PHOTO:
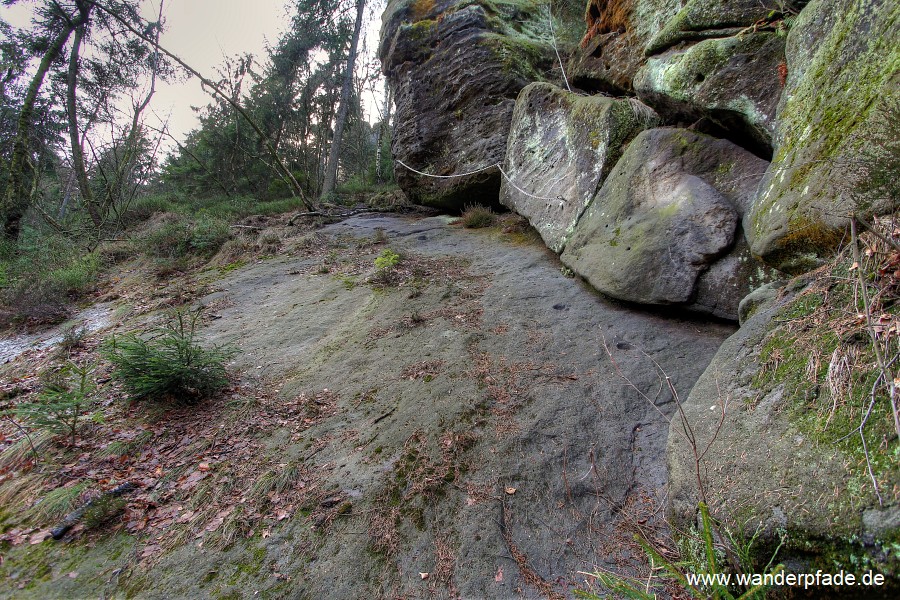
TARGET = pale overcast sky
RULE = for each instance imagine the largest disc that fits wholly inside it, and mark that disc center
(203, 32)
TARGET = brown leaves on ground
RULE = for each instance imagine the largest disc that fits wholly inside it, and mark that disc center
(425, 370)
(199, 470)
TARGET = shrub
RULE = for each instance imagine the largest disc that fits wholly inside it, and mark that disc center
(145, 207)
(208, 235)
(169, 365)
(62, 405)
(175, 237)
(40, 280)
(476, 216)
(170, 238)
(387, 260)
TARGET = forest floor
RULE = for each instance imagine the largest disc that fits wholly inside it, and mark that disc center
(466, 423)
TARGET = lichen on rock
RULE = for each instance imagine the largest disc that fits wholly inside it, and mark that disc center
(732, 81)
(843, 83)
(705, 19)
(560, 149)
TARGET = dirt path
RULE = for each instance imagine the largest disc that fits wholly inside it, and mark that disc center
(469, 432)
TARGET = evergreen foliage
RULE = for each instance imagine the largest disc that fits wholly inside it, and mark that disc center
(64, 403)
(168, 365)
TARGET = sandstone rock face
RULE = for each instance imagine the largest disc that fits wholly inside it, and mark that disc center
(668, 211)
(561, 147)
(766, 464)
(704, 19)
(731, 81)
(613, 48)
(843, 61)
(456, 69)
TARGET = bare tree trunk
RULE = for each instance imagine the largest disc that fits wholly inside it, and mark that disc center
(84, 186)
(341, 119)
(131, 150)
(16, 199)
(383, 129)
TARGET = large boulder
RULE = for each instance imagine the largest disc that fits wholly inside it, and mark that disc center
(668, 211)
(612, 50)
(455, 69)
(561, 147)
(732, 81)
(773, 416)
(833, 125)
(706, 19)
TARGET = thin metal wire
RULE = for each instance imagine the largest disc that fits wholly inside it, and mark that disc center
(447, 176)
(493, 166)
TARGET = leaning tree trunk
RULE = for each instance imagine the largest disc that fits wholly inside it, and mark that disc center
(16, 200)
(343, 109)
(84, 186)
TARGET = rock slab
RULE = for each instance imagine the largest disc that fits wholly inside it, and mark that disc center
(561, 147)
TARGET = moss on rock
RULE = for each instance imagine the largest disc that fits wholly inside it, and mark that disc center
(843, 63)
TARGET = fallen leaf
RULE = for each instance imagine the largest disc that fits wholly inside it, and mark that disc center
(40, 536)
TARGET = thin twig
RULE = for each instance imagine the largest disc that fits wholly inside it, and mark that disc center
(879, 356)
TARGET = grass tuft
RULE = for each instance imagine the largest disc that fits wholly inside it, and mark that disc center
(476, 216)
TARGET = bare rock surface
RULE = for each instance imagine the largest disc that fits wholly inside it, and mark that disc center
(668, 211)
(561, 147)
(456, 69)
(476, 428)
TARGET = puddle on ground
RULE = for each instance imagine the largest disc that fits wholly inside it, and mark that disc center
(93, 319)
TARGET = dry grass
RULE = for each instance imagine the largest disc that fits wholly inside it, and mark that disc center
(476, 216)
(426, 370)
(444, 564)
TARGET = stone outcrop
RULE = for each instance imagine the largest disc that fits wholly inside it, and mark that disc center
(733, 82)
(612, 50)
(843, 83)
(774, 461)
(668, 211)
(706, 19)
(455, 69)
(561, 147)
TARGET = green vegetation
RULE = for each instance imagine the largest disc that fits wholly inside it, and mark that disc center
(63, 404)
(167, 364)
(476, 216)
(385, 266)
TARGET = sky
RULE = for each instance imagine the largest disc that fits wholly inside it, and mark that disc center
(201, 32)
